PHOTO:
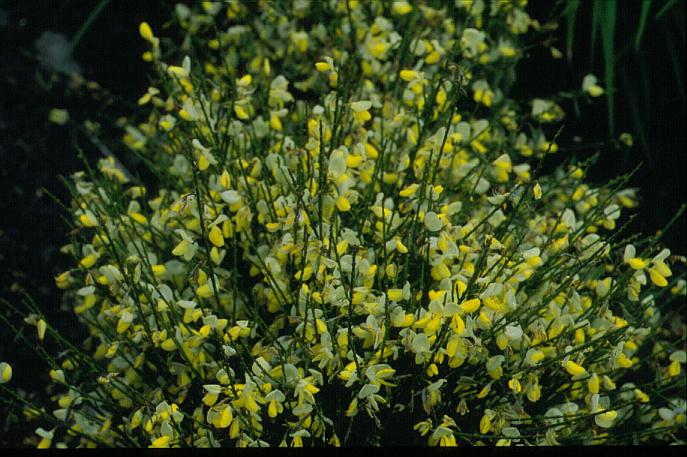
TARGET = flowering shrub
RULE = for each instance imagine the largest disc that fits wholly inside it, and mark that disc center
(349, 241)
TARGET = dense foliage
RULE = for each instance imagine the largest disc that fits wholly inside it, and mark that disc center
(349, 241)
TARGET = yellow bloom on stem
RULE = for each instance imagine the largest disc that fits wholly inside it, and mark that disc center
(146, 32)
(470, 306)
(215, 236)
(573, 368)
(5, 372)
(636, 263)
(41, 326)
(408, 75)
(161, 442)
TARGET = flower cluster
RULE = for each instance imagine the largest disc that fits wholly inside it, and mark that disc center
(348, 239)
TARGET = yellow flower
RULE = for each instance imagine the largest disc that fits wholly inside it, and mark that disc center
(5, 372)
(536, 190)
(161, 442)
(457, 324)
(46, 438)
(89, 260)
(408, 75)
(641, 396)
(494, 368)
(168, 345)
(224, 418)
(146, 32)
(623, 361)
(573, 368)
(484, 391)
(485, 421)
(534, 392)
(41, 326)
(515, 386)
(342, 204)
(606, 418)
(401, 8)
(215, 236)
(590, 86)
(241, 112)
(657, 278)
(395, 294)
(423, 427)
(534, 356)
(58, 116)
(636, 263)
(470, 306)
(674, 368)
(593, 384)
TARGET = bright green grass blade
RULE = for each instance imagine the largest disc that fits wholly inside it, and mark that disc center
(607, 23)
(571, 15)
(643, 15)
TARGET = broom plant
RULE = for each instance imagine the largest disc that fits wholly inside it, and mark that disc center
(352, 239)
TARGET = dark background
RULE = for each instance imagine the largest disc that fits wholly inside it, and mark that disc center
(34, 152)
